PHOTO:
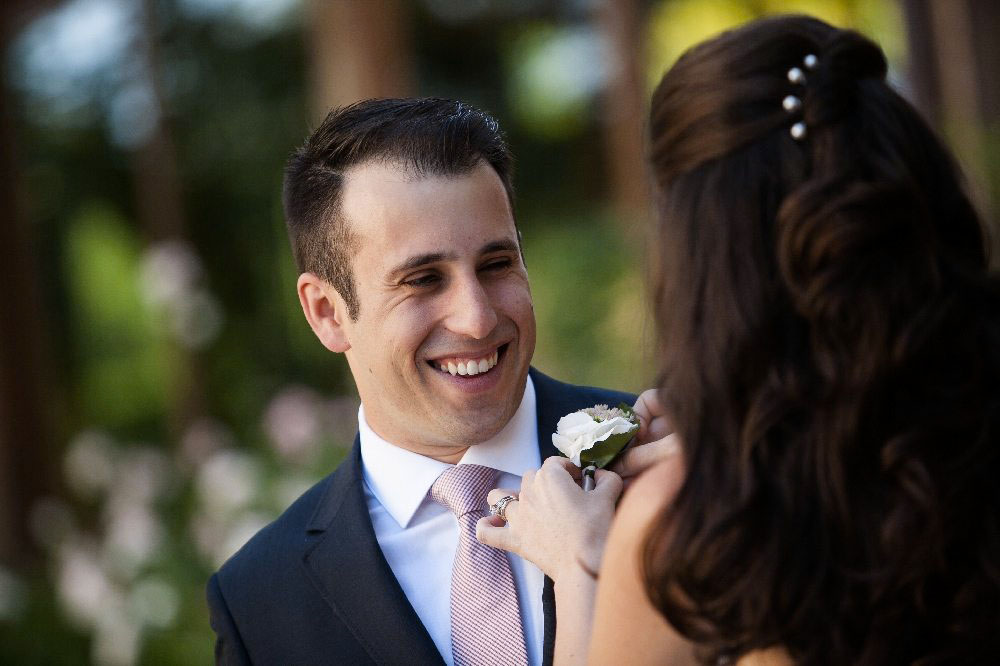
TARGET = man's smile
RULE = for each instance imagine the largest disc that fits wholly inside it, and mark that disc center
(467, 365)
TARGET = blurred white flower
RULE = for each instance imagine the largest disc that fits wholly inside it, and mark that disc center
(133, 537)
(206, 532)
(170, 278)
(13, 595)
(51, 521)
(168, 272)
(143, 474)
(89, 463)
(154, 602)
(204, 437)
(196, 319)
(83, 588)
(117, 637)
(293, 422)
(228, 481)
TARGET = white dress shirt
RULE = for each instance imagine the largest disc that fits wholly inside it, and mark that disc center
(419, 537)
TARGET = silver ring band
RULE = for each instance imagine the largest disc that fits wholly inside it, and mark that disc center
(500, 508)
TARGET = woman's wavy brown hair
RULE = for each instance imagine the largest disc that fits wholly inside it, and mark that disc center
(830, 358)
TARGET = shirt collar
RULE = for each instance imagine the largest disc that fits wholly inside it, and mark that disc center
(400, 479)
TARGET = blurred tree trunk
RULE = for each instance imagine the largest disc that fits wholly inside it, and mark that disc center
(357, 50)
(620, 23)
(158, 191)
(160, 210)
(26, 436)
(955, 76)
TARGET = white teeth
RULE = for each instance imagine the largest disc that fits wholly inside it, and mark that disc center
(471, 367)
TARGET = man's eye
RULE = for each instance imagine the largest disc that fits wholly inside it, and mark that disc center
(497, 265)
(422, 281)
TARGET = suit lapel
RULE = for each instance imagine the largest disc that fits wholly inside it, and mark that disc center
(553, 400)
(347, 566)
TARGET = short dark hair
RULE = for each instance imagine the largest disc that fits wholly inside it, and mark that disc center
(830, 348)
(428, 136)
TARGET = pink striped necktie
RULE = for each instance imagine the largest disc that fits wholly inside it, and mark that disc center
(485, 616)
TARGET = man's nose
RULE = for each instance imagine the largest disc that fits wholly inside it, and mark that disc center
(471, 312)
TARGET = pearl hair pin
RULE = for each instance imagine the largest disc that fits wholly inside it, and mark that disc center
(792, 103)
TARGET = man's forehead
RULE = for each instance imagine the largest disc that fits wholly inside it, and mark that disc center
(400, 211)
(388, 171)
(381, 169)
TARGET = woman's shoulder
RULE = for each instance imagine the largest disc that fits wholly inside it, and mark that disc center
(625, 620)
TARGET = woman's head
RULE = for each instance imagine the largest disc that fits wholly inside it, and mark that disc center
(821, 302)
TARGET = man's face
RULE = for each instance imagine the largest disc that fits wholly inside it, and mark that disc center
(441, 284)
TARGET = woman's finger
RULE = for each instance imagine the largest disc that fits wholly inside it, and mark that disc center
(492, 535)
(559, 462)
(648, 405)
(653, 421)
(608, 482)
(635, 460)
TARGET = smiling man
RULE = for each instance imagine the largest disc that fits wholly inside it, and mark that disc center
(400, 214)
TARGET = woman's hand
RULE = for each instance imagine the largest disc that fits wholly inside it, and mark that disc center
(554, 523)
(654, 442)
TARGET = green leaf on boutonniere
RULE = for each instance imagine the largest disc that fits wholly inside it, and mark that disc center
(601, 454)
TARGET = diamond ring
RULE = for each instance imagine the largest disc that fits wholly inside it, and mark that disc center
(500, 507)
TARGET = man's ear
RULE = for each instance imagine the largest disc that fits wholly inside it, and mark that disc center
(325, 311)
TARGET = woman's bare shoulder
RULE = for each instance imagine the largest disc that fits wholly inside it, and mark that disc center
(625, 621)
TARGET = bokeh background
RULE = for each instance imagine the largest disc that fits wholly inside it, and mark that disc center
(162, 395)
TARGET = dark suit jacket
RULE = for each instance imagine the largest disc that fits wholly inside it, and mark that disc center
(313, 587)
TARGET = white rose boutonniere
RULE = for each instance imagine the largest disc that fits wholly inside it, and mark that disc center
(595, 435)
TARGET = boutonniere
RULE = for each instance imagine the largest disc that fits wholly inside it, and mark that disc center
(595, 435)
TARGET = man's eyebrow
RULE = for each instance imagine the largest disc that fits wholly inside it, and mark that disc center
(418, 260)
(504, 245)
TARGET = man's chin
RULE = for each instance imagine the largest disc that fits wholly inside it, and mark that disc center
(476, 427)
(473, 417)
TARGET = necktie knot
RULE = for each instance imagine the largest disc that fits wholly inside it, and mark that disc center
(463, 488)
